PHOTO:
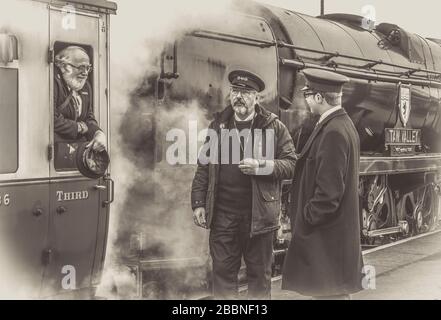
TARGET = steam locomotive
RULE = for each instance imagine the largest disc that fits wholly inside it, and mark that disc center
(393, 99)
(53, 221)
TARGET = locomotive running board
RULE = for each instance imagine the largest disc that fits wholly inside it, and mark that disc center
(372, 165)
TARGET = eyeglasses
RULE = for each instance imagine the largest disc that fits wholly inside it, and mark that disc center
(307, 94)
(83, 68)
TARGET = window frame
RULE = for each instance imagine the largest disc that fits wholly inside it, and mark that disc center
(57, 47)
(14, 66)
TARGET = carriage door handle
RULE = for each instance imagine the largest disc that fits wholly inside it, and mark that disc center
(111, 192)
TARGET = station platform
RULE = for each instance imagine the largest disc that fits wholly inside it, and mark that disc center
(409, 269)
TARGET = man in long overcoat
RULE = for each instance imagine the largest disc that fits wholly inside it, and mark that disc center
(324, 258)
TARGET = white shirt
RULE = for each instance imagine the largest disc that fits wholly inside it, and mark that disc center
(328, 113)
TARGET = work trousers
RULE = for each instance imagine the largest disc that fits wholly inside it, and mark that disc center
(230, 241)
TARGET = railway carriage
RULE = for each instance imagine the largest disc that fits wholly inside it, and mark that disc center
(53, 221)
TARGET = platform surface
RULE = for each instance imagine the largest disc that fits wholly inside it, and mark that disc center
(407, 271)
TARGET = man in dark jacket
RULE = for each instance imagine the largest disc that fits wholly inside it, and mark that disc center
(324, 258)
(73, 98)
(239, 199)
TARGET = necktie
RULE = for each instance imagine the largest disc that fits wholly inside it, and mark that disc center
(77, 104)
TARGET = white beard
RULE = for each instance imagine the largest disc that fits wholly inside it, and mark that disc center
(74, 84)
(241, 110)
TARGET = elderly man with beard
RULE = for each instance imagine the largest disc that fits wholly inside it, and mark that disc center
(73, 115)
(238, 197)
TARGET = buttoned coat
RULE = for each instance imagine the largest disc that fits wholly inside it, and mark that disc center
(324, 257)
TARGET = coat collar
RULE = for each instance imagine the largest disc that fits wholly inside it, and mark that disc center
(318, 128)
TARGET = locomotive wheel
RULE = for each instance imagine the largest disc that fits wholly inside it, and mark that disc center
(384, 211)
(409, 212)
(421, 209)
(382, 215)
(371, 226)
(426, 212)
(418, 221)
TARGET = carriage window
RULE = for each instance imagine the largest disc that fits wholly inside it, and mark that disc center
(8, 120)
(74, 114)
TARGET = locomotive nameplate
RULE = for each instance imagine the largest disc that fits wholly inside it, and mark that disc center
(401, 136)
(401, 141)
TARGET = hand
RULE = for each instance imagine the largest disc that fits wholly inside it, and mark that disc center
(199, 218)
(82, 127)
(249, 166)
(99, 142)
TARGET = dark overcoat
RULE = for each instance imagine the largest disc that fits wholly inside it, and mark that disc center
(65, 119)
(324, 257)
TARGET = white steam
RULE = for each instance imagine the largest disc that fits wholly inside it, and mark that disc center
(138, 34)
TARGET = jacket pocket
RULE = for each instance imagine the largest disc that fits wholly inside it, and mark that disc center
(266, 207)
(269, 191)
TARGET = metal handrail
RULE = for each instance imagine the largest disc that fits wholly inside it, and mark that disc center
(370, 63)
(232, 38)
(372, 74)
(282, 44)
(366, 75)
(386, 72)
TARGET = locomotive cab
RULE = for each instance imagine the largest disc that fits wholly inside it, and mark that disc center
(53, 220)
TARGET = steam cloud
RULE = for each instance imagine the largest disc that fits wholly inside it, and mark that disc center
(151, 216)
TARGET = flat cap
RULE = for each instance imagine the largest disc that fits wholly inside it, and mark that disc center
(324, 81)
(246, 80)
(92, 164)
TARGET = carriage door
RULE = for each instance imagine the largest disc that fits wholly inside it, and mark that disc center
(24, 137)
(76, 214)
